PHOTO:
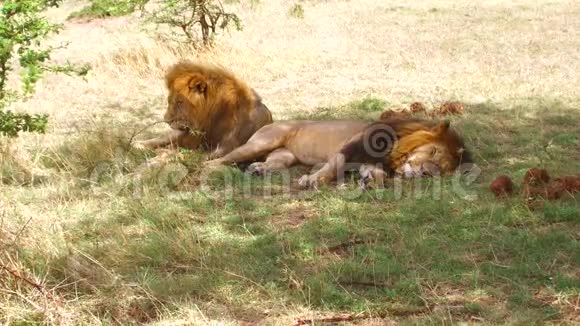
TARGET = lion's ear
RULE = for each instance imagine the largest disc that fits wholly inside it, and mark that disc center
(197, 85)
(441, 127)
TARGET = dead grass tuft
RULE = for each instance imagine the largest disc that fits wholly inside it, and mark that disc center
(26, 299)
(12, 169)
(100, 145)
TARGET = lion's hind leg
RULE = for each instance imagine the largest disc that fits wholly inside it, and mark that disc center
(326, 173)
(266, 140)
(279, 159)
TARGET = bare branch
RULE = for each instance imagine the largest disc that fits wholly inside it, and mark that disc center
(19, 276)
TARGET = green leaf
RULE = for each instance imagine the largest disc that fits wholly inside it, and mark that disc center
(23, 30)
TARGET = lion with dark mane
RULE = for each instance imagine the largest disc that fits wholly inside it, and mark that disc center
(408, 147)
(209, 107)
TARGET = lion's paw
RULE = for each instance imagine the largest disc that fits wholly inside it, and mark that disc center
(256, 168)
(308, 181)
(215, 154)
(365, 180)
(213, 163)
(140, 145)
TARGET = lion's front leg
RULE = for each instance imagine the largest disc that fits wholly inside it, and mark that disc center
(218, 152)
(371, 175)
(173, 139)
(224, 147)
(327, 173)
(189, 141)
(166, 147)
(170, 139)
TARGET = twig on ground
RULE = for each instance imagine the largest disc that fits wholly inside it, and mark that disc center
(18, 275)
(366, 283)
(344, 245)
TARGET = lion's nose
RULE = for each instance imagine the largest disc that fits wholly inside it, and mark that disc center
(430, 169)
(408, 171)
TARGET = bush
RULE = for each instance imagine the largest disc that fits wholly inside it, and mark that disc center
(191, 18)
(108, 8)
(22, 30)
(296, 11)
(190, 21)
(369, 104)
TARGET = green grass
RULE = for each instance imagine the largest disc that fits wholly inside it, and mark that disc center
(366, 109)
(407, 256)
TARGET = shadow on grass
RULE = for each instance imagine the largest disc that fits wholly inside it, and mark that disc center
(375, 252)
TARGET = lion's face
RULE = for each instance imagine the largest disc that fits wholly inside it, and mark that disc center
(186, 105)
(429, 152)
(427, 160)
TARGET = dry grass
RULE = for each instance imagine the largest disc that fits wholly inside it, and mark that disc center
(340, 51)
(513, 53)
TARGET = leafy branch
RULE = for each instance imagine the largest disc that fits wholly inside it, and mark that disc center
(22, 32)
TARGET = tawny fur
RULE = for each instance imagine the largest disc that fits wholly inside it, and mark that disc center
(414, 134)
(211, 108)
(336, 144)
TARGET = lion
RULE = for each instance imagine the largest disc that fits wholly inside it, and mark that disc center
(209, 107)
(406, 147)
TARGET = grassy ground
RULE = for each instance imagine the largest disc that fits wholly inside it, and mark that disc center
(108, 247)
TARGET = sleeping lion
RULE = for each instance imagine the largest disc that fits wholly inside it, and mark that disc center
(406, 147)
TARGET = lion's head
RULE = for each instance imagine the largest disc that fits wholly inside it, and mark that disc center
(197, 93)
(185, 103)
(429, 150)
